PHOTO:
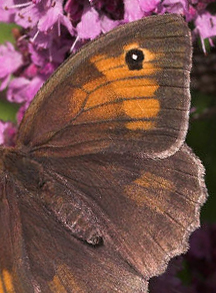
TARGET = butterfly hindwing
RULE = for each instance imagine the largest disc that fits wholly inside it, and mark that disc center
(145, 209)
(128, 90)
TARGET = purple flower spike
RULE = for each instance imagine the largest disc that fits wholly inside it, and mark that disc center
(22, 90)
(133, 10)
(149, 5)
(7, 133)
(10, 61)
(6, 15)
(108, 24)
(3, 126)
(137, 9)
(54, 15)
(89, 26)
(205, 27)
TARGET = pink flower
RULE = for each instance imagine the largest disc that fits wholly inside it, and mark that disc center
(7, 133)
(182, 7)
(206, 27)
(133, 10)
(148, 5)
(92, 24)
(6, 15)
(29, 13)
(89, 26)
(108, 24)
(3, 126)
(54, 16)
(23, 90)
(21, 112)
(10, 61)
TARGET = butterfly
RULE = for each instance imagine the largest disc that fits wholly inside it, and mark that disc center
(100, 190)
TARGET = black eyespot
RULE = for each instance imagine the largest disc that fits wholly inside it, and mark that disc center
(134, 59)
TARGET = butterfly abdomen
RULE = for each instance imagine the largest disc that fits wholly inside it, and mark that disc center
(72, 212)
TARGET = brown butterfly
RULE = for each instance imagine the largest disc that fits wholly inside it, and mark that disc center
(100, 190)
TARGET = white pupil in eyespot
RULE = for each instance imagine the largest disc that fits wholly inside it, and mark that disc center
(134, 56)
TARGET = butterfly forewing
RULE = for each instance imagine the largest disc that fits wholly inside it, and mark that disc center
(126, 91)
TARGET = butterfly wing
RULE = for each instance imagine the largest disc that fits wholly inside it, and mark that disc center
(14, 267)
(39, 255)
(145, 209)
(126, 91)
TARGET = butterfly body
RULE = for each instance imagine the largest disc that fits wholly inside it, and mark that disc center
(100, 190)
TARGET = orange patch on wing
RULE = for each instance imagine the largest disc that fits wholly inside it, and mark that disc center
(149, 56)
(144, 125)
(148, 182)
(96, 58)
(93, 84)
(65, 274)
(122, 89)
(122, 109)
(56, 285)
(141, 108)
(148, 179)
(6, 281)
(102, 113)
(120, 82)
(116, 67)
(107, 62)
(124, 73)
(135, 109)
(76, 104)
(114, 95)
(100, 96)
(135, 88)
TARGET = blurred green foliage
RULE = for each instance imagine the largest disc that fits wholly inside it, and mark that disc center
(202, 139)
(8, 110)
(5, 32)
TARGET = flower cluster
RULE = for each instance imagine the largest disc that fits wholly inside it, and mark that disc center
(51, 29)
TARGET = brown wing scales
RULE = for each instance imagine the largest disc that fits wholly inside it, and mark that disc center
(147, 207)
(116, 104)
